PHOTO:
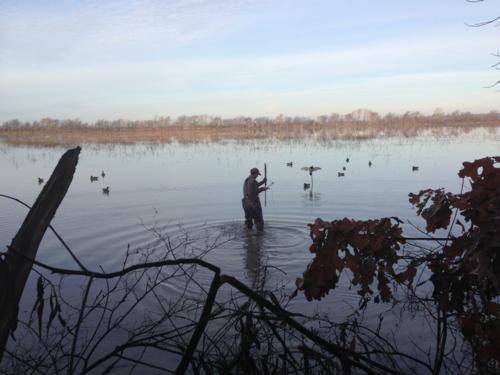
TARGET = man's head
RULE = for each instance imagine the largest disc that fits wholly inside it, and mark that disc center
(254, 172)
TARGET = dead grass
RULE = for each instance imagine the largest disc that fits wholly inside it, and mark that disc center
(67, 136)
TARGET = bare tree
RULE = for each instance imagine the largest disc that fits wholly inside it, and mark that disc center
(495, 21)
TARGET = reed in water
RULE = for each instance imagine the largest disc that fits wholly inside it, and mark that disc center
(360, 124)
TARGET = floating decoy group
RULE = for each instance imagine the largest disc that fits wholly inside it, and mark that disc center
(313, 168)
(105, 190)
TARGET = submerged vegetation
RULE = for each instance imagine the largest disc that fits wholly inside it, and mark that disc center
(359, 124)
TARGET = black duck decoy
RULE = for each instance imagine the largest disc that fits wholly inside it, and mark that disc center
(311, 169)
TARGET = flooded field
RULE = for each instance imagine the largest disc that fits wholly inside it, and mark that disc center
(190, 194)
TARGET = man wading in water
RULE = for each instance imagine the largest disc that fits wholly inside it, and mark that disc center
(251, 201)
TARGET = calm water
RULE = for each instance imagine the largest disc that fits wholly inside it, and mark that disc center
(194, 191)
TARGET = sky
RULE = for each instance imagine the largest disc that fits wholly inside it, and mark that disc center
(93, 59)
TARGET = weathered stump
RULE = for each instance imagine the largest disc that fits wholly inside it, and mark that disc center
(16, 264)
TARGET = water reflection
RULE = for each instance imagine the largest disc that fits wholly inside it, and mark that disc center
(312, 196)
(201, 182)
(324, 133)
(199, 186)
(252, 246)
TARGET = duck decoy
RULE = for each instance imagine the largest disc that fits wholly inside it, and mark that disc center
(347, 160)
(93, 178)
(306, 186)
(105, 190)
(340, 174)
(311, 169)
(369, 163)
(103, 174)
(343, 168)
(414, 168)
(40, 180)
(289, 164)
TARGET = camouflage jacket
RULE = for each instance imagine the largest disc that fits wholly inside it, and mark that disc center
(251, 189)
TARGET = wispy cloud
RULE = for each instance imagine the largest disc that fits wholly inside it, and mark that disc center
(96, 30)
(418, 55)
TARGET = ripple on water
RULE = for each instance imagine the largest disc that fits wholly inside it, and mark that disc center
(238, 251)
(277, 255)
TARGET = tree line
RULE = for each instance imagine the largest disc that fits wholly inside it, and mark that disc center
(357, 117)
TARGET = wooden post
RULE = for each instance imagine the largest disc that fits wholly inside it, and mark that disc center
(15, 266)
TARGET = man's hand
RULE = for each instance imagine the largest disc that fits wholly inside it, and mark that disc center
(264, 180)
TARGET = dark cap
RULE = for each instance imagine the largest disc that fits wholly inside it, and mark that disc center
(254, 171)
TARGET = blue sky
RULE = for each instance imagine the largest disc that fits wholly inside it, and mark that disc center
(140, 59)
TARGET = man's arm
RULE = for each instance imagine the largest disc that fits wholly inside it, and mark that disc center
(260, 190)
